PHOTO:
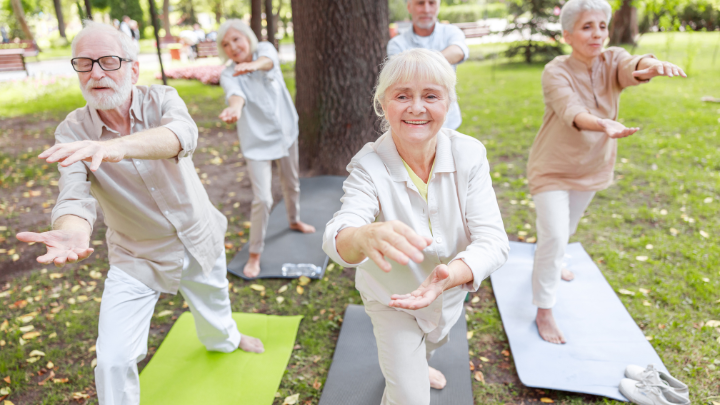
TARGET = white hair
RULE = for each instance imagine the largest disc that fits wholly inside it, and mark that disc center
(129, 48)
(572, 9)
(414, 64)
(240, 26)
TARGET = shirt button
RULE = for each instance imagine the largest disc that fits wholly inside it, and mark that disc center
(138, 162)
(167, 212)
(438, 239)
(152, 188)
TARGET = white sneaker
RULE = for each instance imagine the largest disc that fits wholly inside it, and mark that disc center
(647, 394)
(656, 377)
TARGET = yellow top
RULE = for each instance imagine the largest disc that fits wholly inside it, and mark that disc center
(421, 185)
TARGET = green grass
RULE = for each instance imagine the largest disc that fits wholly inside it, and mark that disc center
(667, 192)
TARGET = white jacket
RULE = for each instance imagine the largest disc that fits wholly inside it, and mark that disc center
(462, 208)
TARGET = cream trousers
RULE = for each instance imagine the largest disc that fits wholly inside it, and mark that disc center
(260, 172)
(558, 215)
(403, 351)
(125, 313)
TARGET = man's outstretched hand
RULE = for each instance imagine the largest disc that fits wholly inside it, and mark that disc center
(63, 246)
(429, 290)
(90, 151)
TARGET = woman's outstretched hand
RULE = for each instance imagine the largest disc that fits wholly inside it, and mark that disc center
(614, 129)
(230, 115)
(429, 290)
(650, 67)
(63, 246)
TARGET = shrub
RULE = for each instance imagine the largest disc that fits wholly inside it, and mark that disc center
(472, 12)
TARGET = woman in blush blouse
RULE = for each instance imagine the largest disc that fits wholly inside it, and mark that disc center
(419, 220)
(267, 125)
(574, 152)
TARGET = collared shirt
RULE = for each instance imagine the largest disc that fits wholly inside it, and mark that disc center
(152, 208)
(442, 36)
(461, 208)
(268, 125)
(562, 156)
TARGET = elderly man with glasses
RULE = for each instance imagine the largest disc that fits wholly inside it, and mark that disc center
(164, 235)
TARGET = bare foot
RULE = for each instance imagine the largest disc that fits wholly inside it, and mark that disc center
(437, 379)
(251, 344)
(252, 267)
(547, 327)
(302, 227)
(567, 275)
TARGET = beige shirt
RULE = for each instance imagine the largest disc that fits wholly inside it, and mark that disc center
(562, 156)
(152, 208)
(461, 209)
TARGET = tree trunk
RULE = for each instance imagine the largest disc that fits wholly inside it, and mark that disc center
(624, 26)
(88, 9)
(270, 23)
(218, 11)
(166, 17)
(20, 15)
(60, 19)
(155, 24)
(256, 18)
(340, 45)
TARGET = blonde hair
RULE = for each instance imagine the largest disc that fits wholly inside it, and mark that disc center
(129, 48)
(571, 11)
(240, 26)
(414, 64)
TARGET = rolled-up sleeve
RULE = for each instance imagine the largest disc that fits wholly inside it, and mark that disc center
(561, 97)
(626, 65)
(489, 246)
(231, 85)
(360, 207)
(457, 37)
(175, 117)
(268, 50)
(75, 198)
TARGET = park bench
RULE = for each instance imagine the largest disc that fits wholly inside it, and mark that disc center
(29, 48)
(12, 60)
(473, 29)
(207, 49)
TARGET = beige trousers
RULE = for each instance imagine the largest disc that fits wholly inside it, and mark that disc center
(403, 352)
(260, 172)
(558, 214)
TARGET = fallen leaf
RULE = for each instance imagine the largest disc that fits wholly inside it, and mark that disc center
(649, 246)
(7, 379)
(36, 353)
(644, 291)
(80, 395)
(60, 380)
(317, 384)
(712, 324)
(484, 359)
(93, 363)
(7, 402)
(647, 304)
(704, 234)
(50, 376)
(304, 280)
(505, 353)
(475, 300)
(82, 298)
(300, 290)
(5, 391)
(708, 200)
(547, 400)
(673, 231)
(95, 274)
(74, 288)
(57, 309)
(315, 318)
(49, 365)
(27, 288)
(283, 289)
(257, 287)
(531, 239)
(185, 304)
(472, 366)
(32, 360)
(2, 343)
(164, 313)
(27, 328)
(626, 292)
(92, 349)
(469, 335)
(54, 276)
(291, 400)
(479, 376)
(641, 258)
(648, 337)
(246, 224)
(330, 267)
(4, 325)
(279, 300)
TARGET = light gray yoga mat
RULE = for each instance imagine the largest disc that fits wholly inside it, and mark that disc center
(355, 377)
(319, 200)
(602, 338)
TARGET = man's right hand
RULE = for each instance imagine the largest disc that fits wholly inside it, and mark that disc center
(392, 239)
(230, 115)
(63, 246)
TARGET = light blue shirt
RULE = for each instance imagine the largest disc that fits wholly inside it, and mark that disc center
(442, 36)
(268, 125)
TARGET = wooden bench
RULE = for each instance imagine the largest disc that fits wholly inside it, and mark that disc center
(473, 29)
(30, 48)
(12, 60)
(207, 49)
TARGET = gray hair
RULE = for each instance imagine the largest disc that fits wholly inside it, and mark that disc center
(240, 26)
(129, 48)
(573, 8)
(413, 64)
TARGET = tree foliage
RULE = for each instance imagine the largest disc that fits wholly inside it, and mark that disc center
(130, 8)
(531, 18)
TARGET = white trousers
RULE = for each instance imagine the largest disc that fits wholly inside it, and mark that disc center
(260, 172)
(558, 215)
(125, 313)
(403, 352)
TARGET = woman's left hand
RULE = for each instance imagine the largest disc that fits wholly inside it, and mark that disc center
(428, 291)
(244, 68)
(653, 67)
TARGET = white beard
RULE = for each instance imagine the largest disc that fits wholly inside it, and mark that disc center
(108, 102)
(428, 25)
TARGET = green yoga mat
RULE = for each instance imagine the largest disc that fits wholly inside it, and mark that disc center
(183, 372)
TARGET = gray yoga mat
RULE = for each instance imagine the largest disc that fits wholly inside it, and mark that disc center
(602, 338)
(355, 377)
(319, 200)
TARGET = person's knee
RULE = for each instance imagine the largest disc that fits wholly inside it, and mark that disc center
(115, 361)
(264, 202)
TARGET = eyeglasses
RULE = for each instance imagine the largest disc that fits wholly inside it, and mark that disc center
(107, 63)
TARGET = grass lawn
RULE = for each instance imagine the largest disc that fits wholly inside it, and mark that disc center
(663, 207)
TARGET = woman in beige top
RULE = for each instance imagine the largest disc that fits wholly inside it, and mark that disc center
(573, 154)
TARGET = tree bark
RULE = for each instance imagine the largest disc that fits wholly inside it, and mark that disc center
(624, 26)
(20, 15)
(88, 9)
(166, 17)
(256, 18)
(270, 24)
(340, 45)
(60, 19)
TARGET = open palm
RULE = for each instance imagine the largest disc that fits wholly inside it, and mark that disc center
(429, 290)
(63, 246)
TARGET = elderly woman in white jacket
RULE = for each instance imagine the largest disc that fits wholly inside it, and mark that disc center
(419, 204)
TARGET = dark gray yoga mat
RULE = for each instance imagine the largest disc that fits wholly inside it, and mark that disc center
(602, 336)
(355, 377)
(319, 200)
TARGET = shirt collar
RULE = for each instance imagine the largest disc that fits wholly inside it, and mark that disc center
(387, 151)
(98, 123)
(578, 64)
(416, 38)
